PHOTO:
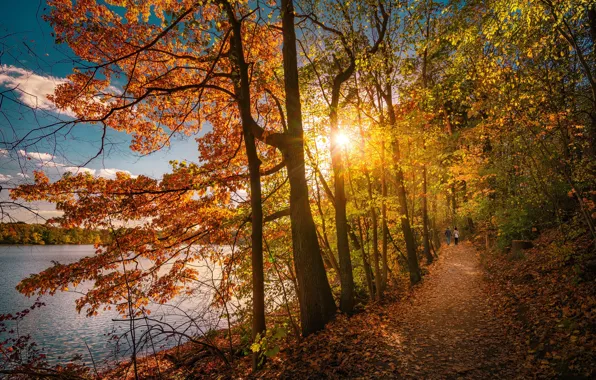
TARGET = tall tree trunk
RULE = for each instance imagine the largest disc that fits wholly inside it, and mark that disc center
(592, 130)
(379, 285)
(258, 274)
(592, 22)
(359, 244)
(366, 262)
(324, 238)
(317, 306)
(384, 241)
(344, 74)
(346, 303)
(242, 89)
(413, 266)
(412, 191)
(447, 112)
(425, 234)
(453, 204)
(435, 233)
(375, 238)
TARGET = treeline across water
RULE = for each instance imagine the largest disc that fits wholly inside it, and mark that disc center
(41, 234)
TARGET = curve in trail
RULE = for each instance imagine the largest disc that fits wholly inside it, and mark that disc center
(449, 330)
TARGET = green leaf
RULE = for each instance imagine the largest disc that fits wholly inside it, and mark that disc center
(279, 333)
(272, 352)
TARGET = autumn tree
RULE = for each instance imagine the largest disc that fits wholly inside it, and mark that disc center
(184, 65)
(385, 79)
(345, 26)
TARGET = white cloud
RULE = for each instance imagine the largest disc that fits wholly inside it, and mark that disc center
(53, 168)
(32, 89)
(3, 153)
(46, 161)
(50, 213)
(5, 177)
(39, 156)
(114, 90)
(51, 164)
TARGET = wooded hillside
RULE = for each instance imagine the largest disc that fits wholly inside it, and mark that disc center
(23, 233)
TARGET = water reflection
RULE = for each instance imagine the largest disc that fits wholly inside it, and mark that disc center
(62, 332)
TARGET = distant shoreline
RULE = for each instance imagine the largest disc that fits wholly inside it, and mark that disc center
(43, 234)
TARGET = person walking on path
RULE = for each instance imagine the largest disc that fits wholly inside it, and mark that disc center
(456, 235)
(448, 236)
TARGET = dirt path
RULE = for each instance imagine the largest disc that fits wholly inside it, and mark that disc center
(445, 329)
(449, 329)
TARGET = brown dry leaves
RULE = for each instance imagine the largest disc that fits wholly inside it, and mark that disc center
(446, 329)
(461, 322)
(550, 299)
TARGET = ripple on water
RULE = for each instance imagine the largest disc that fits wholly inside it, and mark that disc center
(57, 327)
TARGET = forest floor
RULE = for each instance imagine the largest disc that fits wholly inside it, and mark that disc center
(475, 315)
(446, 328)
(450, 329)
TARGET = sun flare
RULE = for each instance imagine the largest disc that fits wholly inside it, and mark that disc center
(342, 139)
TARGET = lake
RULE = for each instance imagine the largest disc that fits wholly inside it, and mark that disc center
(57, 327)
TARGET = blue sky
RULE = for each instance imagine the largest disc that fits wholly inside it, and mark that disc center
(32, 65)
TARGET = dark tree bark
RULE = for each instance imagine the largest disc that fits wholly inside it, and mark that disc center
(412, 191)
(344, 74)
(425, 234)
(242, 90)
(378, 277)
(413, 265)
(592, 134)
(381, 266)
(436, 239)
(453, 204)
(384, 232)
(258, 274)
(360, 244)
(592, 22)
(366, 263)
(375, 242)
(317, 306)
(331, 258)
(341, 221)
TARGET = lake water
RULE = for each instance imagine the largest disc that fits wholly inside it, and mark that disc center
(57, 327)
